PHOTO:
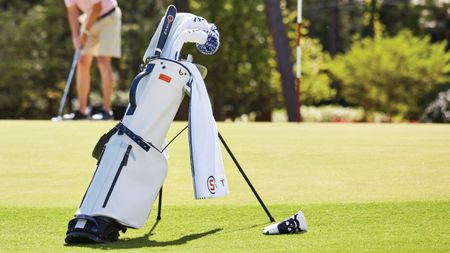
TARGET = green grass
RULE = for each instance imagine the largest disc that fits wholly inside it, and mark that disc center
(362, 187)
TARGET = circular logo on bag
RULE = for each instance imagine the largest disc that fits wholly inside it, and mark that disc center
(211, 183)
(170, 19)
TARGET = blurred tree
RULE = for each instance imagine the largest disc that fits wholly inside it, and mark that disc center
(426, 17)
(284, 63)
(333, 22)
(435, 20)
(316, 83)
(35, 36)
(392, 74)
(242, 79)
(34, 70)
(336, 22)
(182, 5)
(398, 15)
(242, 76)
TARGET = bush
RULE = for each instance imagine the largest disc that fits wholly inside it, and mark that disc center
(439, 110)
(331, 113)
(392, 74)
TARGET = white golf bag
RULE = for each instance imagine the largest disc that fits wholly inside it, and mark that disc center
(135, 155)
(132, 166)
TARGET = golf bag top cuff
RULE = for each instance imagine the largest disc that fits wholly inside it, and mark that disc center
(136, 138)
(147, 68)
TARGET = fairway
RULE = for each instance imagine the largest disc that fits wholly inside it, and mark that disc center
(362, 187)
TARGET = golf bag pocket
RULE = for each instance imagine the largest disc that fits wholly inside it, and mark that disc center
(98, 149)
(126, 183)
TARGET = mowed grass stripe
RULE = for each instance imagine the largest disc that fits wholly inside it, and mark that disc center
(49, 164)
(363, 188)
(369, 227)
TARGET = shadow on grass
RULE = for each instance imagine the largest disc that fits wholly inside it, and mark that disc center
(240, 229)
(145, 242)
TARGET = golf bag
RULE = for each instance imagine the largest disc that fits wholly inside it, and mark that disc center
(132, 160)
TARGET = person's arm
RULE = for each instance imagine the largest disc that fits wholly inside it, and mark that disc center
(91, 19)
(72, 16)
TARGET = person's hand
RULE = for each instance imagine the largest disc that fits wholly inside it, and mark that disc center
(76, 42)
(82, 39)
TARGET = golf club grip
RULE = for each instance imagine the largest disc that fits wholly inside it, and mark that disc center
(165, 30)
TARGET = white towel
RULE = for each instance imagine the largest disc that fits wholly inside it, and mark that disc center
(206, 156)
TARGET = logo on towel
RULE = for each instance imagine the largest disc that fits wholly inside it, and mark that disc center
(211, 183)
(165, 78)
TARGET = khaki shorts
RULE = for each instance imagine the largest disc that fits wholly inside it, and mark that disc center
(104, 36)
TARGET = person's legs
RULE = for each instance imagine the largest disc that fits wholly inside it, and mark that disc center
(84, 81)
(106, 73)
(108, 35)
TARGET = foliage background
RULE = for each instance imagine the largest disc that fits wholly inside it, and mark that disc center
(243, 79)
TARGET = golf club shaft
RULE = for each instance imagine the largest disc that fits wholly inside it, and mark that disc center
(76, 56)
(246, 178)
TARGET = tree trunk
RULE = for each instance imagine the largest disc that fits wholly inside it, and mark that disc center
(218, 113)
(264, 115)
(283, 52)
(334, 32)
(373, 10)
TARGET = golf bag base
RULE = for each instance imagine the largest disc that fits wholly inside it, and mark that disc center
(88, 229)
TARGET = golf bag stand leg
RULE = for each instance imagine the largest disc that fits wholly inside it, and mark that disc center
(158, 217)
(246, 178)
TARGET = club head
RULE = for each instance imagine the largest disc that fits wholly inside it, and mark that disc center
(56, 119)
(294, 224)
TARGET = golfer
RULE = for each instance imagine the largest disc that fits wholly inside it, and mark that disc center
(97, 33)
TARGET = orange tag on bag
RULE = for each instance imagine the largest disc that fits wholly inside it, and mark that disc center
(165, 78)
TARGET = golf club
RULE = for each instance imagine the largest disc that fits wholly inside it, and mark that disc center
(187, 21)
(190, 35)
(167, 26)
(76, 56)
